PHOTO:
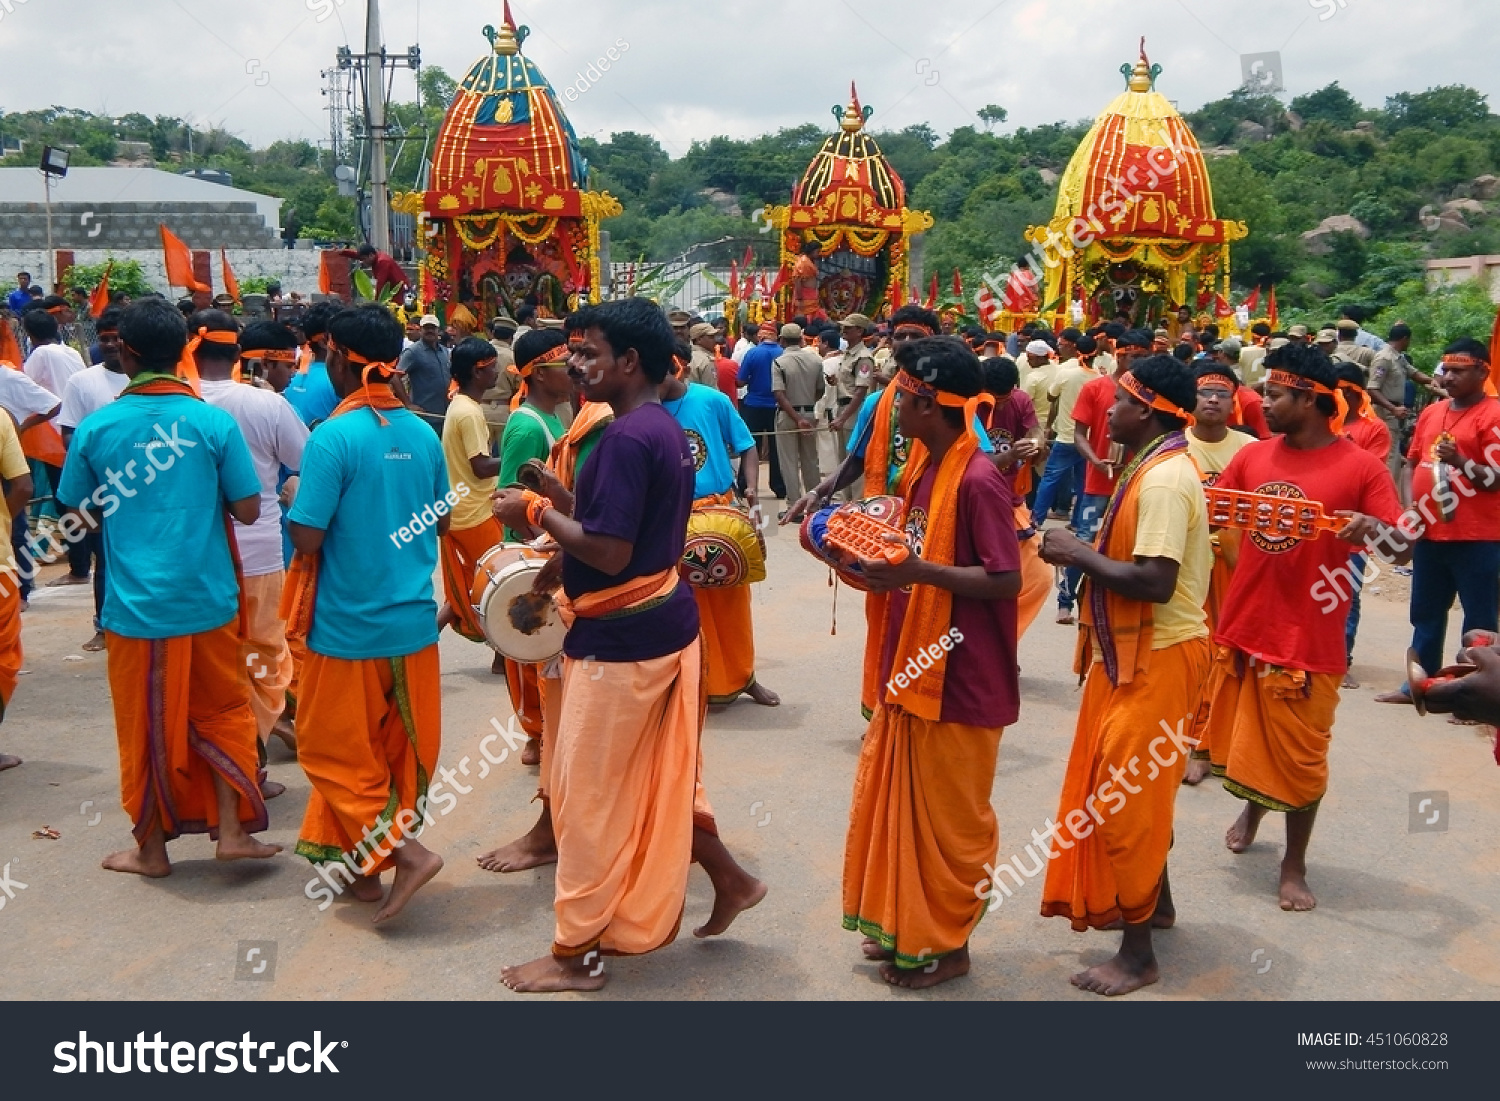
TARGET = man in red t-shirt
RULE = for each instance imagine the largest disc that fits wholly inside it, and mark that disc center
(1276, 679)
(1091, 438)
(1455, 485)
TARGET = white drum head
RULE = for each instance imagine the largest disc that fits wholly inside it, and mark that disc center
(518, 623)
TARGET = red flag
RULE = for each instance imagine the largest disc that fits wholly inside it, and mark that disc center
(734, 280)
(779, 283)
(749, 261)
(1222, 308)
(10, 347)
(1253, 302)
(179, 259)
(893, 295)
(1205, 295)
(325, 275)
(231, 284)
(1495, 357)
(988, 311)
(1020, 292)
(932, 294)
(99, 300)
(1271, 314)
(958, 286)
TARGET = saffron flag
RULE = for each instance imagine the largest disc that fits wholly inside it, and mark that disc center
(932, 294)
(1495, 360)
(231, 284)
(958, 287)
(179, 262)
(1272, 315)
(1020, 291)
(1253, 302)
(325, 276)
(99, 300)
(10, 347)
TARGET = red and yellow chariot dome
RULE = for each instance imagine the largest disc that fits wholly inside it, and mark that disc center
(507, 212)
(851, 204)
(1135, 213)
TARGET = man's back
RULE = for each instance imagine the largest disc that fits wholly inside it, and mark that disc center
(160, 469)
(755, 372)
(426, 368)
(52, 365)
(799, 373)
(373, 489)
(311, 394)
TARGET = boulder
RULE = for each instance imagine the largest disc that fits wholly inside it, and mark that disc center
(1485, 187)
(1464, 207)
(1364, 126)
(1250, 131)
(1048, 176)
(1317, 241)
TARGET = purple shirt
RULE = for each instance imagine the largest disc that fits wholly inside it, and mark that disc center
(637, 485)
(1010, 422)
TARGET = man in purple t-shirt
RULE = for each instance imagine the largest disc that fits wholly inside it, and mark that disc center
(623, 777)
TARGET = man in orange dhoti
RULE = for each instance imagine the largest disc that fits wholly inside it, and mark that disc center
(1272, 717)
(17, 475)
(1212, 443)
(623, 771)
(181, 694)
(921, 828)
(369, 714)
(1143, 648)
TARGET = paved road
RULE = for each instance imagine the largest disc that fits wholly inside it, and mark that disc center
(1402, 915)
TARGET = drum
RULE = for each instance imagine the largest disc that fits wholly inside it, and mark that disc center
(724, 549)
(517, 622)
(814, 534)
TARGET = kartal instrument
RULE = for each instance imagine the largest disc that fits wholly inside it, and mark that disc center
(1271, 516)
(856, 535)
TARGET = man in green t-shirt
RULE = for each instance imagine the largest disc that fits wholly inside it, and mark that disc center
(533, 427)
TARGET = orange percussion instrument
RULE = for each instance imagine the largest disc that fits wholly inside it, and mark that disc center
(1271, 516)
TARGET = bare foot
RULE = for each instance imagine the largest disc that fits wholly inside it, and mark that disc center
(1198, 770)
(763, 695)
(731, 905)
(497, 666)
(532, 754)
(244, 847)
(1118, 975)
(412, 873)
(1295, 893)
(367, 888)
(1241, 835)
(8, 760)
(550, 975)
(136, 862)
(1397, 696)
(67, 579)
(446, 617)
(270, 789)
(952, 966)
(95, 644)
(1349, 681)
(1065, 617)
(874, 950)
(536, 849)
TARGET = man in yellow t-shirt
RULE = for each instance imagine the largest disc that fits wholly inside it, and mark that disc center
(17, 474)
(473, 472)
(1145, 656)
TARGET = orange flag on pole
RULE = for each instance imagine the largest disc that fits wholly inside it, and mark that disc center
(1495, 353)
(325, 276)
(179, 260)
(231, 284)
(99, 300)
(10, 347)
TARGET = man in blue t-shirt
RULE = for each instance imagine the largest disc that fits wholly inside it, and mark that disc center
(372, 502)
(759, 404)
(164, 469)
(310, 391)
(628, 811)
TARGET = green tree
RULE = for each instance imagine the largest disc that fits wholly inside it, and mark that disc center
(1330, 104)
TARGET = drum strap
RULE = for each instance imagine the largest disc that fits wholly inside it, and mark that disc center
(541, 420)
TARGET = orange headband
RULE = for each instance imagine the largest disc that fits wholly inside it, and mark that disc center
(187, 366)
(1361, 399)
(923, 329)
(1234, 387)
(1463, 359)
(1147, 396)
(910, 384)
(454, 387)
(1309, 386)
(274, 355)
(559, 353)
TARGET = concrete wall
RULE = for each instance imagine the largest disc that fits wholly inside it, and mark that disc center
(135, 225)
(297, 269)
(1461, 269)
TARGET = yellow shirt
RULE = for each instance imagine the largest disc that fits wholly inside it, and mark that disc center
(466, 433)
(1066, 382)
(1212, 458)
(1173, 523)
(1252, 365)
(12, 465)
(1037, 381)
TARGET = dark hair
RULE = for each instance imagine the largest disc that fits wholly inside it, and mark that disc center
(1173, 381)
(916, 315)
(53, 301)
(155, 333)
(1349, 371)
(947, 363)
(1354, 313)
(366, 249)
(525, 314)
(537, 343)
(829, 337)
(109, 320)
(1114, 330)
(315, 320)
(267, 336)
(1070, 335)
(1001, 375)
(1260, 328)
(34, 291)
(1184, 353)
(1468, 346)
(27, 274)
(1310, 362)
(1400, 331)
(630, 323)
(215, 321)
(1208, 333)
(466, 358)
(370, 330)
(1136, 338)
(39, 325)
(1087, 345)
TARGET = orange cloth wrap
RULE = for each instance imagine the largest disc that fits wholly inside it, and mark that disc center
(182, 714)
(11, 655)
(368, 735)
(1269, 731)
(1036, 575)
(728, 643)
(1119, 837)
(921, 830)
(460, 552)
(563, 462)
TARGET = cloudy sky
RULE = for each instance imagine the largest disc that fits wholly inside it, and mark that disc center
(690, 70)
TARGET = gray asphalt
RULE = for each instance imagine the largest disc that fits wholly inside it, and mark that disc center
(1401, 915)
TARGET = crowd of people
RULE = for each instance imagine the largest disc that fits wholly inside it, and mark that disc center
(272, 471)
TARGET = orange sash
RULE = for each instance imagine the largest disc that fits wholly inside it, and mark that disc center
(1122, 627)
(878, 450)
(620, 600)
(563, 462)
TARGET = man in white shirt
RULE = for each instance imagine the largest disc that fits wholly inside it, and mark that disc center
(276, 437)
(50, 364)
(88, 391)
(28, 405)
